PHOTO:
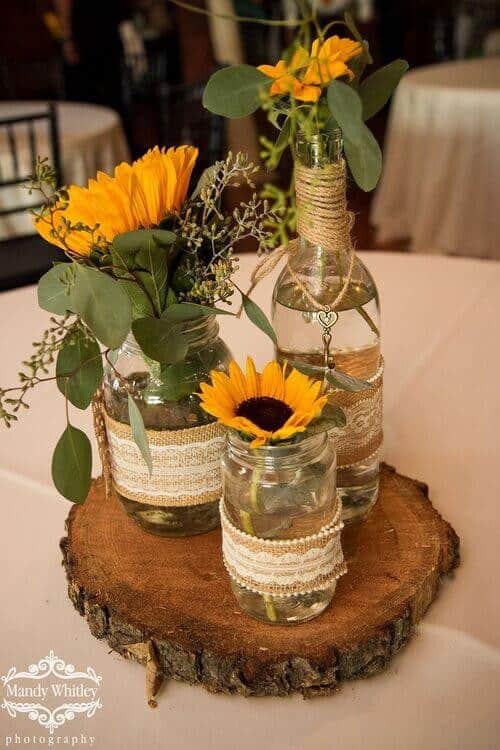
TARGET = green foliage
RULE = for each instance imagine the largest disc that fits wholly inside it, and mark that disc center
(72, 464)
(160, 340)
(139, 432)
(140, 300)
(179, 380)
(345, 382)
(103, 305)
(361, 149)
(376, 90)
(235, 91)
(55, 289)
(258, 317)
(189, 310)
(79, 368)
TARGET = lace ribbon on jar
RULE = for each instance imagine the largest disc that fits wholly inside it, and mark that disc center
(186, 463)
(283, 567)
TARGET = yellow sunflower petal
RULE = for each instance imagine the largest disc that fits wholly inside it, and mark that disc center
(272, 382)
(253, 380)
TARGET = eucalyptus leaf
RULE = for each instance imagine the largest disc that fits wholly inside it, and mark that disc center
(376, 90)
(129, 243)
(334, 414)
(258, 317)
(205, 179)
(160, 340)
(139, 432)
(55, 289)
(179, 380)
(189, 310)
(345, 382)
(103, 305)
(72, 464)
(282, 142)
(235, 91)
(153, 259)
(349, 22)
(346, 107)
(80, 360)
(325, 424)
(365, 159)
(141, 304)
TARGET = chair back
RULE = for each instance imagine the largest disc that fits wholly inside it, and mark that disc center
(184, 120)
(20, 145)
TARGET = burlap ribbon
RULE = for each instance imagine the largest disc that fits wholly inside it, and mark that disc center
(284, 567)
(186, 463)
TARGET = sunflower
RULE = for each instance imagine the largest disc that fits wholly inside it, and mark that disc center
(138, 196)
(269, 406)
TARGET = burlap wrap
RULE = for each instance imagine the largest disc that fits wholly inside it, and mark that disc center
(283, 567)
(186, 464)
(362, 435)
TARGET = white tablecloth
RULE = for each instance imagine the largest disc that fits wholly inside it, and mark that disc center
(91, 139)
(440, 184)
(442, 416)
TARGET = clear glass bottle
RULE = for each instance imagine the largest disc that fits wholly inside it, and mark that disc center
(280, 492)
(168, 403)
(355, 336)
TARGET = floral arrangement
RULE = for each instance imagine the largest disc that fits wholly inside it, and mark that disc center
(271, 407)
(143, 257)
(314, 88)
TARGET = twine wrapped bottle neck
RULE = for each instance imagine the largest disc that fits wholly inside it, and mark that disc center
(322, 215)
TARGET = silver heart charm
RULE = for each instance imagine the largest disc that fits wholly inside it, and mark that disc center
(327, 318)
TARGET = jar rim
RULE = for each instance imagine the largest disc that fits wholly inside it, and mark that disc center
(201, 325)
(287, 453)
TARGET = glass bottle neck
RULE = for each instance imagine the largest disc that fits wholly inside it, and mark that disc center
(320, 150)
(199, 332)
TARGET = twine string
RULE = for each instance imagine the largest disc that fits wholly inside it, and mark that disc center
(323, 219)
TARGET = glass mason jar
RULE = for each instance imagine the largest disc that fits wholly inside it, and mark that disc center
(280, 492)
(168, 401)
(355, 345)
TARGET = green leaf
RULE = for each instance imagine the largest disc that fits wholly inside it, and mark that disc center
(334, 414)
(72, 464)
(160, 340)
(129, 243)
(235, 91)
(349, 22)
(281, 144)
(155, 260)
(258, 317)
(345, 382)
(139, 300)
(179, 380)
(206, 178)
(81, 356)
(103, 305)
(365, 159)
(346, 107)
(54, 289)
(189, 310)
(331, 417)
(139, 432)
(376, 90)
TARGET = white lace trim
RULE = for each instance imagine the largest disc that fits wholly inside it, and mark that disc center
(283, 566)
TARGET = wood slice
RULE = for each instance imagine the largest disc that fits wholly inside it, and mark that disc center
(173, 595)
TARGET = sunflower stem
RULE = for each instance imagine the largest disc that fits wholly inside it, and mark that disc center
(247, 524)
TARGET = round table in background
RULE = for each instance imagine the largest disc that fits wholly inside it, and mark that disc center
(91, 140)
(440, 185)
(441, 417)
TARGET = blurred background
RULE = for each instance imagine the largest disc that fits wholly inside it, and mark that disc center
(90, 83)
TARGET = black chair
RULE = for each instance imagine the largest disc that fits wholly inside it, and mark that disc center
(184, 120)
(24, 259)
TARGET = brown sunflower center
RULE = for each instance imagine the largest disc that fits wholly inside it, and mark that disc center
(266, 412)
